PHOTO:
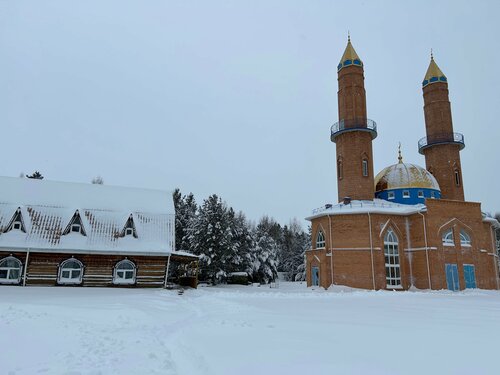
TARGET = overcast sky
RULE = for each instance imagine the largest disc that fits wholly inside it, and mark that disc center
(237, 97)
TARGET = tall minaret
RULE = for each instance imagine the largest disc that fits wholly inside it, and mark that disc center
(441, 146)
(353, 134)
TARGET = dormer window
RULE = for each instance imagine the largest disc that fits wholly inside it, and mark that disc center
(75, 225)
(16, 222)
(129, 228)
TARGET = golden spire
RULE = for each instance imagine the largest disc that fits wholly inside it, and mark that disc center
(350, 57)
(433, 74)
(400, 158)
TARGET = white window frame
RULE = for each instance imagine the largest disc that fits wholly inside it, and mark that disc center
(465, 240)
(447, 238)
(122, 280)
(129, 231)
(421, 194)
(17, 225)
(406, 193)
(392, 264)
(433, 195)
(391, 195)
(364, 164)
(70, 280)
(77, 226)
(7, 279)
(320, 240)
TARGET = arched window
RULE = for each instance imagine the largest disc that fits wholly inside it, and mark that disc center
(340, 170)
(364, 165)
(10, 270)
(124, 272)
(457, 177)
(448, 238)
(391, 253)
(70, 272)
(320, 240)
(464, 238)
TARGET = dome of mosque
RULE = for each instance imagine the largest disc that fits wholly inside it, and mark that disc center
(406, 183)
(405, 175)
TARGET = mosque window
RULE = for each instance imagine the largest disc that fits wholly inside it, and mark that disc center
(457, 177)
(320, 240)
(365, 167)
(390, 195)
(448, 238)
(340, 170)
(420, 193)
(406, 193)
(391, 254)
(464, 238)
(433, 195)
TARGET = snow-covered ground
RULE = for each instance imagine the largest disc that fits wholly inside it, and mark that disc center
(247, 330)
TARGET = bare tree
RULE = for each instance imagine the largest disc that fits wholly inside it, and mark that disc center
(98, 180)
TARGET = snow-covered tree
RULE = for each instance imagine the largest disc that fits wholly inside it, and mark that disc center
(265, 253)
(210, 236)
(240, 256)
(185, 212)
(292, 250)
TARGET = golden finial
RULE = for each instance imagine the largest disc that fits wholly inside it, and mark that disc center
(400, 158)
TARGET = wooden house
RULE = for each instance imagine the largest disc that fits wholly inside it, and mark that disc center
(58, 233)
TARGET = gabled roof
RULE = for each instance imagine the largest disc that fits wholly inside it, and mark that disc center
(48, 206)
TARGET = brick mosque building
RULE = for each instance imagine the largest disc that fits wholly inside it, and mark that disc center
(407, 226)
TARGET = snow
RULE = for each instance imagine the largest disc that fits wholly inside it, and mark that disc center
(47, 207)
(247, 330)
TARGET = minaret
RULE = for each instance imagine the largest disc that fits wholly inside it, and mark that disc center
(353, 134)
(441, 146)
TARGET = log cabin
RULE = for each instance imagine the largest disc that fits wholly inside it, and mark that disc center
(72, 234)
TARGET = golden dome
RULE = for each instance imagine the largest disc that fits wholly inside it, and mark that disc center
(405, 175)
(350, 57)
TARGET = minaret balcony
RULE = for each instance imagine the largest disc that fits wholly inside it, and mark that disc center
(353, 125)
(441, 139)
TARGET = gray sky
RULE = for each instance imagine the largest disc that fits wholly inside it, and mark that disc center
(237, 97)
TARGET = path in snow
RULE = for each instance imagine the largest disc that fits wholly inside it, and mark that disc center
(246, 330)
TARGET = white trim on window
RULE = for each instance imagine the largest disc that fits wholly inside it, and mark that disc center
(11, 270)
(320, 240)
(421, 194)
(129, 231)
(391, 255)
(406, 193)
(365, 167)
(70, 272)
(124, 273)
(391, 195)
(448, 238)
(465, 239)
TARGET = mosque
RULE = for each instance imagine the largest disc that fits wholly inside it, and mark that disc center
(408, 226)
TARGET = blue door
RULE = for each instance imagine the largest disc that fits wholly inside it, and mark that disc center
(452, 276)
(315, 276)
(469, 276)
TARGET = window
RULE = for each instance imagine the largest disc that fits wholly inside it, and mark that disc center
(340, 171)
(76, 228)
(10, 270)
(70, 272)
(75, 225)
(464, 238)
(391, 253)
(448, 238)
(320, 240)
(124, 272)
(129, 232)
(365, 167)
(433, 196)
(390, 195)
(406, 193)
(420, 194)
(457, 177)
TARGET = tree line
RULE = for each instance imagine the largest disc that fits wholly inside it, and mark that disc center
(227, 241)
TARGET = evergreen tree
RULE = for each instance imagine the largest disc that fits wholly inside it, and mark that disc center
(265, 253)
(98, 180)
(240, 256)
(36, 175)
(292, 251)
(210, 236)
(185, 212)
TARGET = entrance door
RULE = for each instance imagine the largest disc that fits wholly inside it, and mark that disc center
(470, 276)
(315, 276)
(452, 276)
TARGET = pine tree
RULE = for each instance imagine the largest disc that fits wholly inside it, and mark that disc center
(185, 212)
(210, 237)
(36, 175)
(265, 253)
(97, 180)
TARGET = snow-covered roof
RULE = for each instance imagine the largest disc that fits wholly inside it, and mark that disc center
(377, 206)
(47, 208)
